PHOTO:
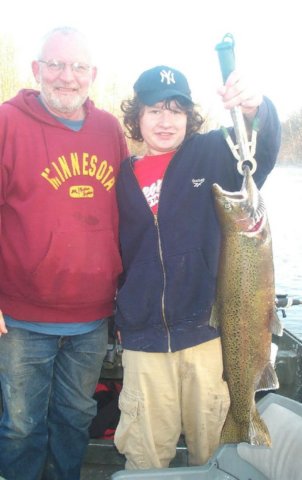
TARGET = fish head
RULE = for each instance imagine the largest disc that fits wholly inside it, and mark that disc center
(242, 211)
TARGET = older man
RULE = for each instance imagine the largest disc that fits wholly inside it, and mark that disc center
(59, 260)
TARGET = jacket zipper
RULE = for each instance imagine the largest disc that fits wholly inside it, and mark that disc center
(160, 254)
(164, 287)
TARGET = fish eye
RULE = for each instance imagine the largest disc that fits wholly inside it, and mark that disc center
(227, 206)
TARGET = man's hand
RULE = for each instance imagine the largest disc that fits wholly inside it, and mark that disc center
(3, 328)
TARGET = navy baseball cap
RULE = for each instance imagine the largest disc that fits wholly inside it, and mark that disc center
(160, 83)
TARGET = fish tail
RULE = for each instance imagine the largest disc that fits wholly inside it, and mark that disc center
(233, 432)
(254, 432)
(258, 432)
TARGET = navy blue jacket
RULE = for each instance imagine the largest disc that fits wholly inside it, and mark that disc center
(170, 261)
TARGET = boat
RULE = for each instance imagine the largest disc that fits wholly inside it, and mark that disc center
(103, 462)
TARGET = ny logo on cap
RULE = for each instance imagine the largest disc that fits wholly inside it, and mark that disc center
(167, 76)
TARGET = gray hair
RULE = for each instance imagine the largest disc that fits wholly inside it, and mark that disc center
(64, 30)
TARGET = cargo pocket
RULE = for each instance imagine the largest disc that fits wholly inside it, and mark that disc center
(128, 435)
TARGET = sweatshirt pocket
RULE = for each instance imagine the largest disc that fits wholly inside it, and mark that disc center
(80, 267)
(190, 286)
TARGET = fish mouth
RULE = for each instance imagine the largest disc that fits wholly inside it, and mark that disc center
(248, 216)
(257, 227)
(245, 207)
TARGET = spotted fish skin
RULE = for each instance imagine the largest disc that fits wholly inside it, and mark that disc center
(244, 308)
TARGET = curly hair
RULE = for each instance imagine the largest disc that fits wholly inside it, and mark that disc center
(132, 109)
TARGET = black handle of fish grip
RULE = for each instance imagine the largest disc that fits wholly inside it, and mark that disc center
(226, 55)
(283, 301)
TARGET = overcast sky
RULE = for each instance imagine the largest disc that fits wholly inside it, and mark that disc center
(131, 36)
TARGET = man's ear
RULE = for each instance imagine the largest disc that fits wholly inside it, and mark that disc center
(35, 67)
(94, 73)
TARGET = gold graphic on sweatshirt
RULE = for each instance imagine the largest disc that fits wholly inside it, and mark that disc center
(81, 191)
(79, 165)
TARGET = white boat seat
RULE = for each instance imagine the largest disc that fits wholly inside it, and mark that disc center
(283, 461)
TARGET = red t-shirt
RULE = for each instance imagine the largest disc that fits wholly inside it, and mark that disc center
(149, 172)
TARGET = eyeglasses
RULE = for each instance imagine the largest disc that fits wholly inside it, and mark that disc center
(55, 66)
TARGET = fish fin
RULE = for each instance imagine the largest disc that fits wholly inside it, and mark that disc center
(254, 432)
(214, 319)
(268, 379)
(258, 431)
(276, 326)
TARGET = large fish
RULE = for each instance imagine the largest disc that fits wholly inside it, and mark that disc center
(245, 308)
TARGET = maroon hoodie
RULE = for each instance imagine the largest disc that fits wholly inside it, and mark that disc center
(59, 255)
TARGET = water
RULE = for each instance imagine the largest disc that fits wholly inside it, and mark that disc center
(282, 194)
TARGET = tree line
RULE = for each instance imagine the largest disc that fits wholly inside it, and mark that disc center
(291, 146)
(110, 99)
